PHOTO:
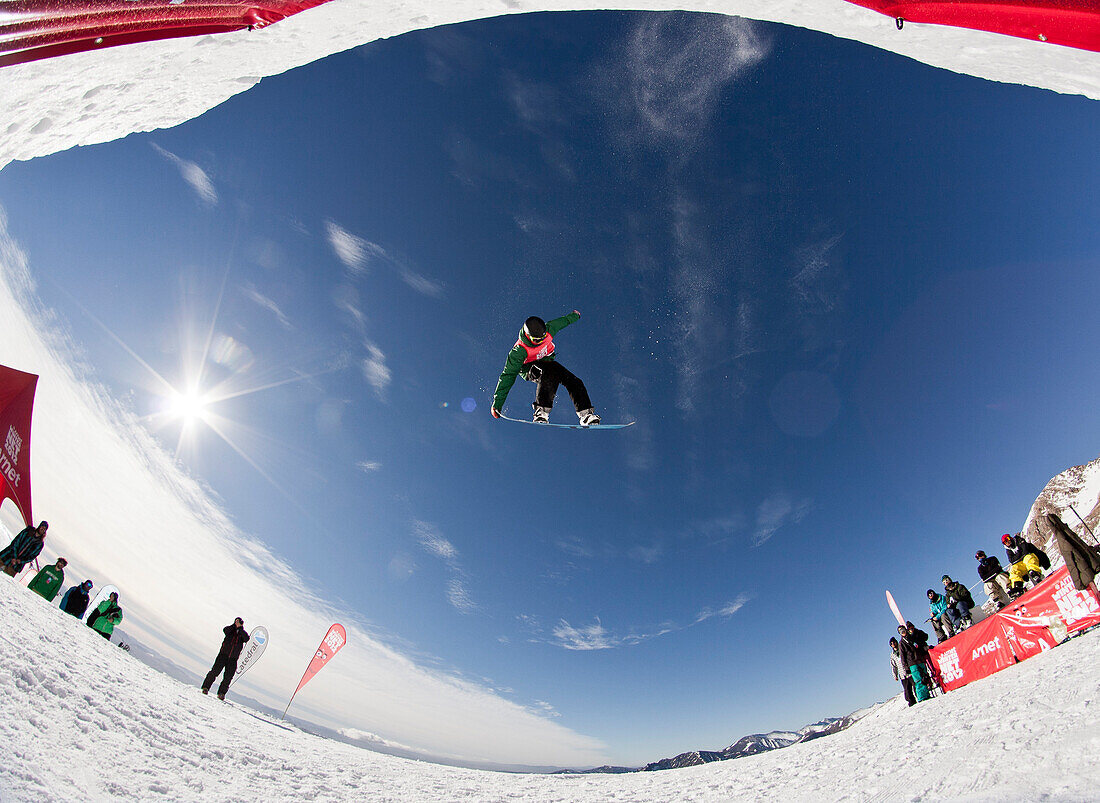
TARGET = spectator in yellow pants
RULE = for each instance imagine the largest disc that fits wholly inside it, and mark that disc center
(1023, 563)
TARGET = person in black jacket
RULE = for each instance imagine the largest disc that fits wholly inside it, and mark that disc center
(995, 579)
(913, 648)
(76, 599)
(959, 603)
(235, 638)
(1025, 562)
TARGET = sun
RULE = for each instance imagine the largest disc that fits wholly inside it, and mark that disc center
(188, 407)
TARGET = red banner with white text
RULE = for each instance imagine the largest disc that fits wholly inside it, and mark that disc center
(16, 404)
(1034, 623)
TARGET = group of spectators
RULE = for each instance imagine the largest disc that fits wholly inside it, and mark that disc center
(26, 548)
(950, 611)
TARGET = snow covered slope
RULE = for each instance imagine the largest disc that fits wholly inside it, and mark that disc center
(82, 719)
(85, 98)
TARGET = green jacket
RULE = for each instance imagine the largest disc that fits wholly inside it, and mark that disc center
(109, 616)
(47, 582)
(514, 366)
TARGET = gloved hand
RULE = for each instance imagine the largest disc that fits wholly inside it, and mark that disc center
(495, 412)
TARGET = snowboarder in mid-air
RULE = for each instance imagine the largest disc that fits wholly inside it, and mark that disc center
(532, 357)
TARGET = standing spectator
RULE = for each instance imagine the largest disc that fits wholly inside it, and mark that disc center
(76, 599)
(106, 616)
(995, 579)
(937, 604)
(901, 672)
(23, 549)
(1023, 563)
(914, 654)
(49, 580)
(235, 638)
(1082, 559)
(959, 603)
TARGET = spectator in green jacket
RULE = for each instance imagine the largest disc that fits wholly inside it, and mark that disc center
(532, 357)
(49, 580)
(106, 616)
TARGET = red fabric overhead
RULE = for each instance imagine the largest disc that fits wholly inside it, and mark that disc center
(1073, 23)
(38, 29)
(16, 402)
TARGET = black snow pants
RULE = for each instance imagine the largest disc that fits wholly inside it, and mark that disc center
(551, 374)
(907, 689)
(223, 661)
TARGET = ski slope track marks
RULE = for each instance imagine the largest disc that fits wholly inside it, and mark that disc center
(82, 719)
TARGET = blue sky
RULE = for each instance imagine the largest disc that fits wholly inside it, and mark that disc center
(846, 297)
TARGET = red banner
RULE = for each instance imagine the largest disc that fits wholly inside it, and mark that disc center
(16, 403)
(334, 639)
(1074, 23)
(38, 29)
(1034, 623)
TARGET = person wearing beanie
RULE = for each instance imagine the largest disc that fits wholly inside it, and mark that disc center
(959, 603)
(941, 623)
(235, 638)
(913, 650)
(23, 549)
(994, 577)
(1024, 563)
(106, 615)
(76, 599)
(533, 358)
(901, 671)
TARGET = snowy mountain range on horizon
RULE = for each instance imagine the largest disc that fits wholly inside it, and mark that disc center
(1075, 489)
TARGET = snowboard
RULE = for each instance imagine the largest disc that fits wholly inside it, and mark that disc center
(568, 426)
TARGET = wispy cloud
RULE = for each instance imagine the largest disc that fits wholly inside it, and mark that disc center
(459, 596)
(374, 367)
(646, 554)
(724, 611)
(353, 251)
(194, 175)
(597, 637)
(778, 510)
(359, 255)
(432, 541)
(421, 284)
(256, 297)
(368, 466)
(346, 299)
(573, 545)
(589, 637)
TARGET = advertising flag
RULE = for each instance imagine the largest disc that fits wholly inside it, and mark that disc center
(16, 401)
(257, 643)
(330, 645)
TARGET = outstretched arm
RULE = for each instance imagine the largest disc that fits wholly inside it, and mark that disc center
(556, 325)
(507, 379)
